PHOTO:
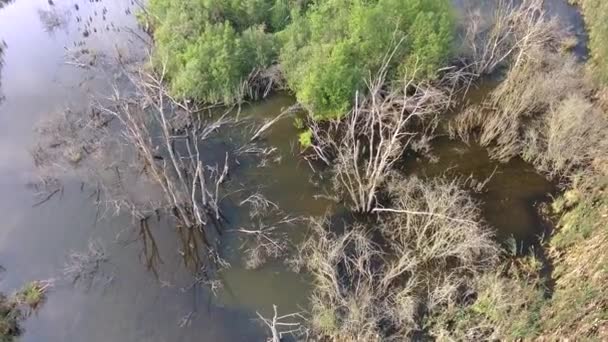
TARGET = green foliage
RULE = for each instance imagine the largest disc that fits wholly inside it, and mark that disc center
(214, 67)
(329, 51)
(32, 295)
(596, 18)
(210, 47)
(305, 138)
(14, 309)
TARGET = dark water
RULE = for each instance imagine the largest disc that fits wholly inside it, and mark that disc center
(512, 190)
(135, 305)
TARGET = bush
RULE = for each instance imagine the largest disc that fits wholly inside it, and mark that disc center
(432, 247)
(328, 52)
(210, 47)
(326, 49)
(15, 308)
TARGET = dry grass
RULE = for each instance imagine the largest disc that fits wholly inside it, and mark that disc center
(572, 136)
(543, 112)
(503, 32)
(529, 91)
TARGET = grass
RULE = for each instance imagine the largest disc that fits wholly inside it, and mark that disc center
(17, 307)
(579, 306)
(594, 12)
(506, 305)
(32, 295)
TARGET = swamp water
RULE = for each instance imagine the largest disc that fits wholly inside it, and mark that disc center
(127, 302)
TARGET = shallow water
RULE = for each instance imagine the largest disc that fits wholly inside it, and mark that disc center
(510, 196)
(135, 305)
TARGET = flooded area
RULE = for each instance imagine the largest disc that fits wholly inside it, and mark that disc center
(129, 302)
(509, 193)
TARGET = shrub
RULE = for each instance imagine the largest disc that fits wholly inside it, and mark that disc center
(328, 52)
(429, 250)
(326, 49)
(210, 47)
(305, 138)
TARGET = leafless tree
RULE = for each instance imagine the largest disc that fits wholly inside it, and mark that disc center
(376, 281)
(505, 33)
(364, 145)
(283, 325)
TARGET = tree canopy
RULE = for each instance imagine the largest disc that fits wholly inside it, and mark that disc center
(326, 49)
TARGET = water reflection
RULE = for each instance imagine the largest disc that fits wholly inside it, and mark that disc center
(142, 303)
(53, 19)
(4, 3)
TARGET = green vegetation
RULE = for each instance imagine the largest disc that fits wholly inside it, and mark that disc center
(305, 138)
(436, 270)
(595, 12)
(211, 49)
(331, 50)
(17, 307)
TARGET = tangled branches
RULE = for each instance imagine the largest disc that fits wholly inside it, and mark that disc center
(363, 146)
(432, 246)
(543, 111)
(507, 35)
(266, 237)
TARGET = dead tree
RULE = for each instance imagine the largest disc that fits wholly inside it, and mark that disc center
(282, 325)
(364, 145)
(506, 34)
(168, 140)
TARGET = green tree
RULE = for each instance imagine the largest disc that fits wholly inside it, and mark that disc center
(326, 48)
(210, 47)
(329, 51)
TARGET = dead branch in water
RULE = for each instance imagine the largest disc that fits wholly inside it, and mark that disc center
(271, 122)
(85, 267)
(168, 141)
(265, 238)
(282, 325)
